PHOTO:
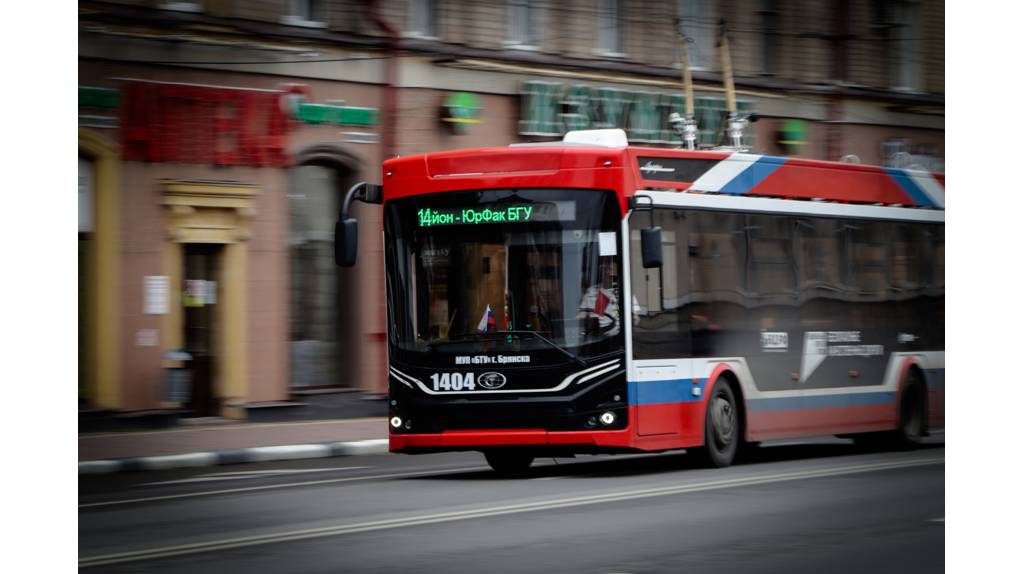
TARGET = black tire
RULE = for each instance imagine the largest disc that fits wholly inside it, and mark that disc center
(722, 427)
(913, 419)
(509, 463)
(911, 425)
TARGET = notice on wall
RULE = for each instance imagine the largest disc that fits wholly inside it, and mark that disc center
(147, 337)
(195, 293)
(211, 293)
(155, 294)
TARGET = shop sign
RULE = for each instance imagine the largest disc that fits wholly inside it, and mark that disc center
(551, 109)
(98, 98)
(203, 124)
(793, 136)
(460, 111)
(336, 113)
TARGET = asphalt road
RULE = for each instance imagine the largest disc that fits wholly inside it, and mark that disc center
(810, 506)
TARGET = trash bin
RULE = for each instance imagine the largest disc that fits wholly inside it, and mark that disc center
(178, 384)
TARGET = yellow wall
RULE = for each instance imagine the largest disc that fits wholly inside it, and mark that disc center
(103, 379)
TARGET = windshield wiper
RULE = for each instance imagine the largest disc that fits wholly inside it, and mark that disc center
(560, 348)
(496, 335)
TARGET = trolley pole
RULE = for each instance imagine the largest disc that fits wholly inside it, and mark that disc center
(730, 88)
(736, 124)
(685, 125)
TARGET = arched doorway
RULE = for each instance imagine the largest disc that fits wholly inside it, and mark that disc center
(323, 329)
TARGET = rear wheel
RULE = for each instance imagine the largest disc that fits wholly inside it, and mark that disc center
(721, 427)
(911, 429)
(508, 463)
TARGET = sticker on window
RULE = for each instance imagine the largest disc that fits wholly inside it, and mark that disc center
(606, 244)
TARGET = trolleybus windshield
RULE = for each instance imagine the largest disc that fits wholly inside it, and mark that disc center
(522, 273)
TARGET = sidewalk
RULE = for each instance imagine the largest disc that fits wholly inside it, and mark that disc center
(229, 443)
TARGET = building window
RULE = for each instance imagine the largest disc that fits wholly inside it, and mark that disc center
(85, 195)
(697, 20)
(182, 6)
(769, 37)
(307, 13)
(423, 18)
(524, 24)
(611, 28)
(315, 299)
(899, 22)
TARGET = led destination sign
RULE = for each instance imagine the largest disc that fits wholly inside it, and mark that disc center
(504, 213)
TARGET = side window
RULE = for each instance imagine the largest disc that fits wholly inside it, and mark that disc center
(820, 245)
(906, 269)
(717, 247)
(937, 235)
(771, 262)
(660, 295)
(868, 258)
(698, 297)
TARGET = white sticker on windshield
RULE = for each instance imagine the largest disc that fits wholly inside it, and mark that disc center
(606, 243)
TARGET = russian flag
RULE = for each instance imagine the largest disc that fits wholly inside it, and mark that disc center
(487, 323)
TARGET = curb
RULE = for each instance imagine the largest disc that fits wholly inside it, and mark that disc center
(235, 456)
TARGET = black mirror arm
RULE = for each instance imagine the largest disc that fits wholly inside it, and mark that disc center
(346, 236)
(365, 192)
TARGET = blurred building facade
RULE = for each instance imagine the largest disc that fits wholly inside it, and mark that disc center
(217, 136)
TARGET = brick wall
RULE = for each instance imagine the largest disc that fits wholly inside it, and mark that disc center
(262, 10)
(934, 32)
(571, 28)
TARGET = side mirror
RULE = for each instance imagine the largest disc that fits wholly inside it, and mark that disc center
(346, 242)
(650, 247)
(346, 229)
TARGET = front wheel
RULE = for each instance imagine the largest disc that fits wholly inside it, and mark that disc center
(508, 463)
(721, 427)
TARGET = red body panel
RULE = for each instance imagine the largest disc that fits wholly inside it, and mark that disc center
(813, 422)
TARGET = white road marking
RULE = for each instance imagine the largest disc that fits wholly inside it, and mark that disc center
(228, 426)
(943, 519)
(248, 474)
(274, 486)
(551, 504)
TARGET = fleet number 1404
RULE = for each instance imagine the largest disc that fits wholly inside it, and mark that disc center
(453, 381)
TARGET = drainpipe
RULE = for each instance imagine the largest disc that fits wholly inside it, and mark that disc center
(839, 42)
(388, 122)
(389, 107)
